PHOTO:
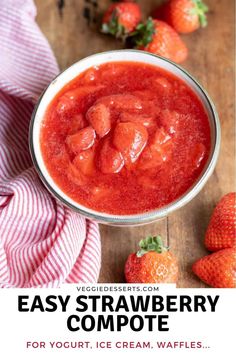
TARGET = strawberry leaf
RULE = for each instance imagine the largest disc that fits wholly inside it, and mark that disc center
(113, 27)
(151, 244)
(143, 34)
(200, 9)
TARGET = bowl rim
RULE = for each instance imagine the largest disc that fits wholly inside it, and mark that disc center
(155, 214)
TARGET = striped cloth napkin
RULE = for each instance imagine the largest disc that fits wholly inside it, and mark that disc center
(42, 243)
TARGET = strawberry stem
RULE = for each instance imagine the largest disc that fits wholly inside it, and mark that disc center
(151, 244)
(201, 9)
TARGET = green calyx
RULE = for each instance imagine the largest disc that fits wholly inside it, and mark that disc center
(200, 9)
(143, 34)
(113, 27)
(151, 244)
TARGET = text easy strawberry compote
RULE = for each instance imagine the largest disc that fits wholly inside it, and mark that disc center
(125, 138)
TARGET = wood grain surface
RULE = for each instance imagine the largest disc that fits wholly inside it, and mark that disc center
(73, 36)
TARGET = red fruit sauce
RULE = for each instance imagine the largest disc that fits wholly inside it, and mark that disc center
(125, 138)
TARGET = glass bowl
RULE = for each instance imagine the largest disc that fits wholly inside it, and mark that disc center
(125, 56)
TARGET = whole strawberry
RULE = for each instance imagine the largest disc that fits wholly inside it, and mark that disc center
(159, 38)
(218, 269)
(185, 16)
(121, 18)
(153, 263)
(221, 232)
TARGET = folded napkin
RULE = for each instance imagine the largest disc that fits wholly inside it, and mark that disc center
(42, 243)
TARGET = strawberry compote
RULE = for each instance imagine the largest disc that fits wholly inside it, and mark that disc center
(125, 138)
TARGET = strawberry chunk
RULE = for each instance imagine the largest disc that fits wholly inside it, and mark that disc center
(157, 152)
(160, 138)
(84, 161)
(150, 101)
(163, 83)
(77, 122)
(82, 140)
(61, 158)
(76, 176)
(72, 97)
(90, 75)
(100, 192)
(112, 69)
(145, 120)
(145, 94)
(130, 139)
(99, 117)
(197, 154)
(170, 120)
(110, 160)
(122, 102)
(149, 159)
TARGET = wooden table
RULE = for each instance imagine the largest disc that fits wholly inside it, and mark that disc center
(211, 61)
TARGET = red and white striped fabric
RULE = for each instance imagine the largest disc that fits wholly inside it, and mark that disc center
(42, 243)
